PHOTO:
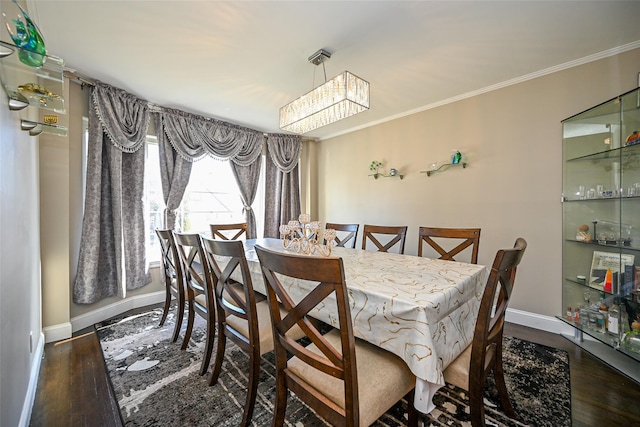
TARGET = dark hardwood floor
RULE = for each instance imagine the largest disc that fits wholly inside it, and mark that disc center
(74, 390)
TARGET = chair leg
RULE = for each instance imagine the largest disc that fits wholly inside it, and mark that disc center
(187, 333)
(220, 349)
(498, 375)
(179, 316)
(280, 406)
(476, 405)
(252, 388)
(412, 413)
(208, 348)
(167, 304)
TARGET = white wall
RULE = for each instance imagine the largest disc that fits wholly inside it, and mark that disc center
(21, 340)
(512, 187)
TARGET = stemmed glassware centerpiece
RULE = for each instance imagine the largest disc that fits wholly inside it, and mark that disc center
(303, 236)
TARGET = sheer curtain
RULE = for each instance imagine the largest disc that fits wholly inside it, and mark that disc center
(112, 251)
(282, 192)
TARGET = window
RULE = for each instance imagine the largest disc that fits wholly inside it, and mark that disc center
(212, 196)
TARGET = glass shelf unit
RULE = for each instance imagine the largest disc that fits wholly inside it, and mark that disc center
(601, 221)
(40, 87)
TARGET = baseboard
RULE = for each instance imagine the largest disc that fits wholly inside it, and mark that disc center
(538, 321)
(58, 332)
(106, 312)
(30, 397)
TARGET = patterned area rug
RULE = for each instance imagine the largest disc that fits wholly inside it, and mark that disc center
(157, 384)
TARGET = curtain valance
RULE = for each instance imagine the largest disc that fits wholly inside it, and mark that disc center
(194, 136)
(284, 151)
(123, 116)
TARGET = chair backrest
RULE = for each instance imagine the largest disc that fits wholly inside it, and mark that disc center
(373, 233)
(195, 269)
(346, 240)
(229, 302)
(171, 266)
(487, 336)
(435, 237)
(338, 363)
(228, 231)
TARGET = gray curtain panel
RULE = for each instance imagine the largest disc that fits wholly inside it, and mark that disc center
(112, 247)
(282, 192)
(174, 173)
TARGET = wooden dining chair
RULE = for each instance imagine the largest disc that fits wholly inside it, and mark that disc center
(172, 278)
(241, 317)
(228, 231)
(469, 371)
(199, 288)
(373, 233)
(345, 240)
(435, 237)
(345, 380)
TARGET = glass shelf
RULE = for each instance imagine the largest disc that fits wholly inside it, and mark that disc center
(28, 86)
(631, 151)
(444, 167)
(606, 338)
(602, 245)
(36, 128)
(600, 199)
(378, 175)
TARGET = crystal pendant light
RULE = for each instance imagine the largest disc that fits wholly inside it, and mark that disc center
(338, 98)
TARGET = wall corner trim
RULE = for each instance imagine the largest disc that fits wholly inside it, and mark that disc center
(30, 397)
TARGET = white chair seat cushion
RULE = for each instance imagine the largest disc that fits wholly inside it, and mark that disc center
(264, 326)
(383, 378)
(457, 373)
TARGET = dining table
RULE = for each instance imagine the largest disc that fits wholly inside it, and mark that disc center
(421, 309)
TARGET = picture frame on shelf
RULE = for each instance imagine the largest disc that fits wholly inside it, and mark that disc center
(603, 261)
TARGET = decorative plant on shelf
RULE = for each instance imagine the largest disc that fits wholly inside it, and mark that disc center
(374, 167)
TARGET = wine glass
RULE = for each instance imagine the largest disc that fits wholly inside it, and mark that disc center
(586, 295)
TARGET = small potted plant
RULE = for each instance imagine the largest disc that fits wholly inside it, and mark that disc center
(374, 167)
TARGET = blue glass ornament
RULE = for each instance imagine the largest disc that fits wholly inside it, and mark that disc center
(27, 37)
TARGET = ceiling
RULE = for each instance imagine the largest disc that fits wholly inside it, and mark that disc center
(240, 61)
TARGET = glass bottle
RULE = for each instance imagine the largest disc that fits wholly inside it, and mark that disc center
(614, 319)
(623, 324)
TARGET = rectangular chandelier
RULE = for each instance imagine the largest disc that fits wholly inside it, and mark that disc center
(343, 96)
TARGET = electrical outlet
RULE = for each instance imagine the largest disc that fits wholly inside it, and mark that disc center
(31, 342)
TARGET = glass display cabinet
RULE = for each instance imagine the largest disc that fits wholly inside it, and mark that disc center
(601, 225)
